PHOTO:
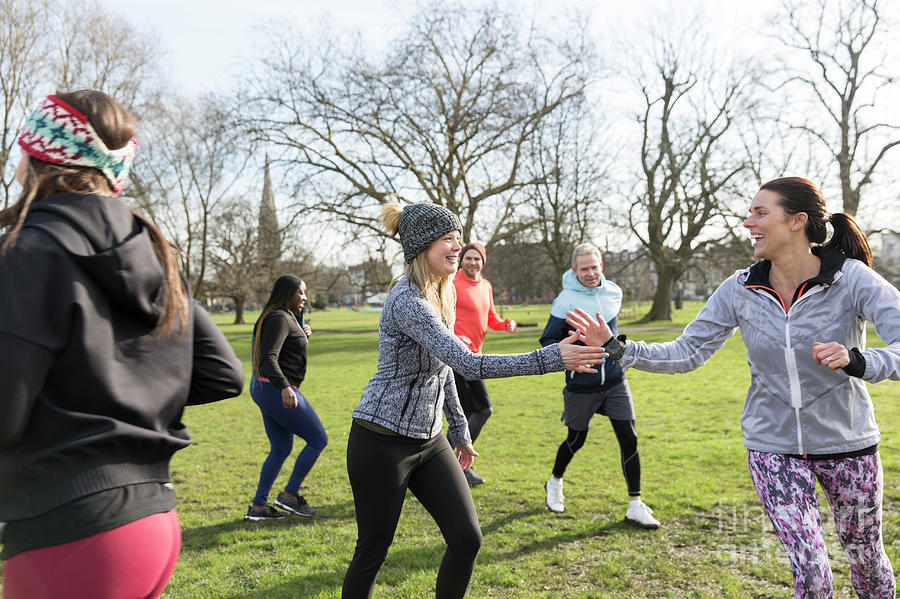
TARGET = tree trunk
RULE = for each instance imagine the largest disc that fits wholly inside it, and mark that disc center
(661, 309)
(238, 311)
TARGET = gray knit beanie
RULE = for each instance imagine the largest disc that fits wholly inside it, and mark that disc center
(420, 224)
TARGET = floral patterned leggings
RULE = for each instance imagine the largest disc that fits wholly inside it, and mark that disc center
(853, 486)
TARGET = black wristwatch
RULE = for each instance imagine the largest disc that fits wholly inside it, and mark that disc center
(615, 347)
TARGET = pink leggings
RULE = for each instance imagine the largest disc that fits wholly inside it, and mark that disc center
(129, 562)
(853, 487)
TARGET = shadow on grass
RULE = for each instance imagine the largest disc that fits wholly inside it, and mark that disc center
(552, 542)
(201, 538)
(404, 563)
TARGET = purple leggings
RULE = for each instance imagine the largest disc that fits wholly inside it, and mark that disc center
(853, 486)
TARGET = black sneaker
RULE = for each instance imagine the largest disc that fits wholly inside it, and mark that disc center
(295, 504)
(472, 478)
(267, 513)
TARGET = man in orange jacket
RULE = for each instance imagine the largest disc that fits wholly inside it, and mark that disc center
(474, 314)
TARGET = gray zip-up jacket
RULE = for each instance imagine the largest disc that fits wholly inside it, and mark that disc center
(793, 405)
(414, 381)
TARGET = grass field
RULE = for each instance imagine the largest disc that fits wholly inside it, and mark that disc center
(714, 542)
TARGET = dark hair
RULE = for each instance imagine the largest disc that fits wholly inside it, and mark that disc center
(115, 126)
(282, 291)
(798, 195)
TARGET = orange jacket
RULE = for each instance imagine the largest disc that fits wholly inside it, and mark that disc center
(475, 310)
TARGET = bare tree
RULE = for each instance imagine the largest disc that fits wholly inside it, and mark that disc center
(235, 256)
(690, 104)
(48, 45)
(846, 72)
(95, 49)
(194, 158)
(21, 51)
(569, 161)
(445, 117)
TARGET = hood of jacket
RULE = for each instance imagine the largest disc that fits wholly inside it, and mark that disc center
(605, 298)
(104, 238)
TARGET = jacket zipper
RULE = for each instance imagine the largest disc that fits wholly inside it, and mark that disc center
(791, 361)
(789, 358)
(793, 379)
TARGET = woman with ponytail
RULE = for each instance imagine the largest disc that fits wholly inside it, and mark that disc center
(279, 366)
(102, 348)
(395, 440)
(802, 312)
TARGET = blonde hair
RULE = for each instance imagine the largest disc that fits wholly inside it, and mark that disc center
(438, 289)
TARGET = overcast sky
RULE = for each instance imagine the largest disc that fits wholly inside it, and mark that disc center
(205, 39)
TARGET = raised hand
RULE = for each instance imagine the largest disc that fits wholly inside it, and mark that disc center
(594, 330)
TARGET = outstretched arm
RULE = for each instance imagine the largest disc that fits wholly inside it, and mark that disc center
(709, 331)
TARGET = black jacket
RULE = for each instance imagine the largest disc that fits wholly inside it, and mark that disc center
(90, 400)
(282, 349)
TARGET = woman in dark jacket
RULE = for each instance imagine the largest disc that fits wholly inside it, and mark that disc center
(279, 366)
(102, 348)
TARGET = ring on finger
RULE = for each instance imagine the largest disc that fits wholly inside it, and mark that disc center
(829, 358)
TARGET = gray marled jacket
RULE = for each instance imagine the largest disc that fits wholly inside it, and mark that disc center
(414, 381)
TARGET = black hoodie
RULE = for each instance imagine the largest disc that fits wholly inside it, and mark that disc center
(90, 400)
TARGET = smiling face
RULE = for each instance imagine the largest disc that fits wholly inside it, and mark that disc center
(298, 300)
(443, 253)
(588, 268)
(772, 230)
(472, 264)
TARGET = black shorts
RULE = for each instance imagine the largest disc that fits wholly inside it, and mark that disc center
(615, 402)
(473, 395)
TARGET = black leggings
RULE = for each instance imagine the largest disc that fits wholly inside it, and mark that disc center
(627, 438)
(381, 469)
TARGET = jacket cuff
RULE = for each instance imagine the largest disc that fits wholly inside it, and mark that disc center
(457, 437)
(857, 365)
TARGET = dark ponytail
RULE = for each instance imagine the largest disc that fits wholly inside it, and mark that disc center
(797, 195)
(849, 238)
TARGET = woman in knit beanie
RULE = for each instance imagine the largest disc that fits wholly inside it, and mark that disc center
(395, 441)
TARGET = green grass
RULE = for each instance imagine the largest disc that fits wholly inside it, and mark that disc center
(530, 316)
(714, 542)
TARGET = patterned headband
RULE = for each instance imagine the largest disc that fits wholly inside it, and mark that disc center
(59, 134)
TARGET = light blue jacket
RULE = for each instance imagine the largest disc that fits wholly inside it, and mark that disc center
(605, 299)
(793, 405)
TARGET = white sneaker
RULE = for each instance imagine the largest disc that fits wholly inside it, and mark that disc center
(638, 513)
(554, 494)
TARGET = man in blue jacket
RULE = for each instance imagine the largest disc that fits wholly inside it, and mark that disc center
(604, 392)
